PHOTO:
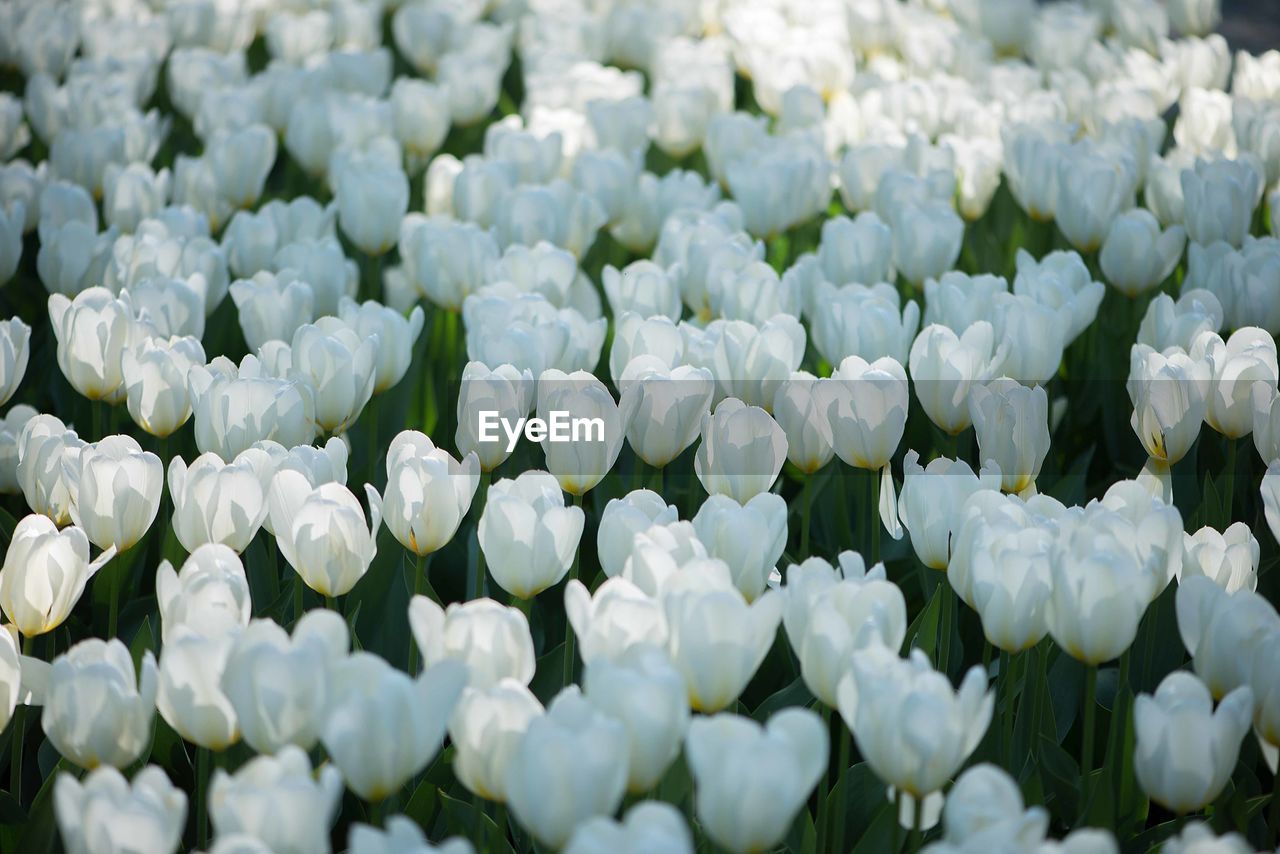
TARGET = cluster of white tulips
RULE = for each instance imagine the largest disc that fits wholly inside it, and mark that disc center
(805, 425)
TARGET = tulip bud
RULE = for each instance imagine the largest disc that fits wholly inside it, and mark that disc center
(485, 730)
(155, 379)
(398, 833)
(503, 390)
(428, 492)
(209, 595)
(856, 250)
(106, 813)
(569, 765)
(944, 367)
(215, 502)
(1001, 565)
(1177, 324)
(340, 366)
(985, 805)
(779, 763)
(98, 708)
(93, 331)
(45, 572)
(271, 307)
(580, 464)
(493, 640)
(926, 239)
(320, 263)
(11, 427)
(279, 685)
(618, 617)
(799, 409)
(1220, 196)
(749, 538)
(1223, 631)
(1012, 424)
(527, 535)
(742, 451)
(1094, 186)
(1246, 358)
(1229, 558)
(853, 613)
(857, 320)
(669, 405)
(717, 640)
(868, 411)
(648, 826)
(420, 114)
(644, 691)
(277, 800)
(372, 200)
(622, 519)
(932, 502)
(396, 336)
(12, 222)
(1195, 17)
(46, 447)
(1032, 335)
(190, 697)
(659, 552)
(321, 531)
(1136, 255)
(1100, 588)
(1168, 391)
(1184, 774)
(656, 339)
(383, 726)
(881, 688)
(236, 407)
(15, 350)
(643, 288)
(115, 490)
(555, 212)
(133, 193)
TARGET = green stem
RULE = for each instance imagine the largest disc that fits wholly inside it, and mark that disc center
(896, 843)
(113, 605)
(202, 805)
(947, 609)
(1273, 821)
(297, 597)
(371, 414)
(824, 788)
(95, 419)
(917, 824)
(1004, 691)
(568, 630)
(1086, 745)
(845, 521)
(19, 735)
(657, 479)
(842, 767)
(806, 505)
(873, 514)
(1006, 720)
(420, 582)
(1231, 478)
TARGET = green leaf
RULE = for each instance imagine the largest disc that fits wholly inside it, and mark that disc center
(922, 634)
(143, 641)
(879, 834)
(11, 812)
(794, 694)
(1061, 776)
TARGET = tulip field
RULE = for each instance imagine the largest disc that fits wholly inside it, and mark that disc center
(638, 427)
